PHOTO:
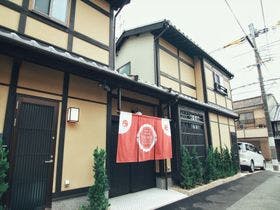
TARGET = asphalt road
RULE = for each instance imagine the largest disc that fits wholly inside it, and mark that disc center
(258, 191)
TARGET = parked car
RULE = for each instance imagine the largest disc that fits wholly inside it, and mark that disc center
(250, 157)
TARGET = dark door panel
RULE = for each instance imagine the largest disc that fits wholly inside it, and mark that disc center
(32, 146)
(119, 173)
(142, 176)
(128, 177)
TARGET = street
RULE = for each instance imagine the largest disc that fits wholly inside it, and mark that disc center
(260, 190)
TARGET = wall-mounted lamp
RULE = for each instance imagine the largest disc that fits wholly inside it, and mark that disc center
(73, 114)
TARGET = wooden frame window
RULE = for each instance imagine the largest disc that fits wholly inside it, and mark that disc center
(219, 84)
(57, 10)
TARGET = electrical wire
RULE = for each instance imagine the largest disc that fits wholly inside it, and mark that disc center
(250, 91)
(264, 23)
(263, 16)
(236, 19)
(254, 83)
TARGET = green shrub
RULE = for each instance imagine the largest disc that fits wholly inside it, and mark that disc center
(222, 169)
(210, 166)
(219, 163)
(197, 168)
(187, 179)
(4, 166)
(96, 196)
(228, 165)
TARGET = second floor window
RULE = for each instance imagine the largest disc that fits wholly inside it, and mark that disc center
(54, 9)
(218, 79)
(218, 84)
(246, 118)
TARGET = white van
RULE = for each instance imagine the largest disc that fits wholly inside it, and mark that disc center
(250, 157)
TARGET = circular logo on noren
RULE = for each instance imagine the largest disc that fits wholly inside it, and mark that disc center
(124, 123)
(146, 137)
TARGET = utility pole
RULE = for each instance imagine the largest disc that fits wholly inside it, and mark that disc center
(271, 140)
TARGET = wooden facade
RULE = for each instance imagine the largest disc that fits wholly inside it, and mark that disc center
(181, 67)
(37, 79)
(50, 63)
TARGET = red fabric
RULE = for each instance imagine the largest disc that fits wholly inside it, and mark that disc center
(127, 145)
(163, 149)
(146, 138)
(143, 138)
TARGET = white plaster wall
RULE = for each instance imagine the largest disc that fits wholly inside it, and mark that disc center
(139, 50)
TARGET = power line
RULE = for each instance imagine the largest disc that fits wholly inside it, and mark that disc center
(263, 16)
(264, 24)
(268, 86)
(235, 17)
(254, 83)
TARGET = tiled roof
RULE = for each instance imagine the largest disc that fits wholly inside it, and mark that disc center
(175, 37)
(6, 35)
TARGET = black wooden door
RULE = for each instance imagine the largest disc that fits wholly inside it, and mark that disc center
(119, 173)
(33, 153)
(128, 177)
(142, 175)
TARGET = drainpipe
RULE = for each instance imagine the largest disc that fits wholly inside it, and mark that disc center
(164, 165)
(157, 76)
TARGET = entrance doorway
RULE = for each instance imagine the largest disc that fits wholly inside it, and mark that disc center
(128, 177)
(32, 153)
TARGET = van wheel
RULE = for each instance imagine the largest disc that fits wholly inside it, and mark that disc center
(252, 167)
(264, 165)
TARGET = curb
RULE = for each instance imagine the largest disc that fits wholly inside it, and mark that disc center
(211, 185)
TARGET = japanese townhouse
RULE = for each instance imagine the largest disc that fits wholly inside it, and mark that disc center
(60, 98)
(201, 114)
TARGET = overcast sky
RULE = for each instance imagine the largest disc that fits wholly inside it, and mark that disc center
(211, 25)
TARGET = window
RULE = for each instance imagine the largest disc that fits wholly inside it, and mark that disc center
(125, 69)
(218, 84)
(246, 118)
(218, 79)
(255, 150)
(239, 146)
(54, 9)
(277, 126)
(186, 115)
(250, 148)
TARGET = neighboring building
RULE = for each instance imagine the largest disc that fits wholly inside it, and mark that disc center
(251, 126)
(160, 54)
(275, 120)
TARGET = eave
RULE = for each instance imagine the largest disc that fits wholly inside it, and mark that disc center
(117, 4)
(176, 38)
(24, 48)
